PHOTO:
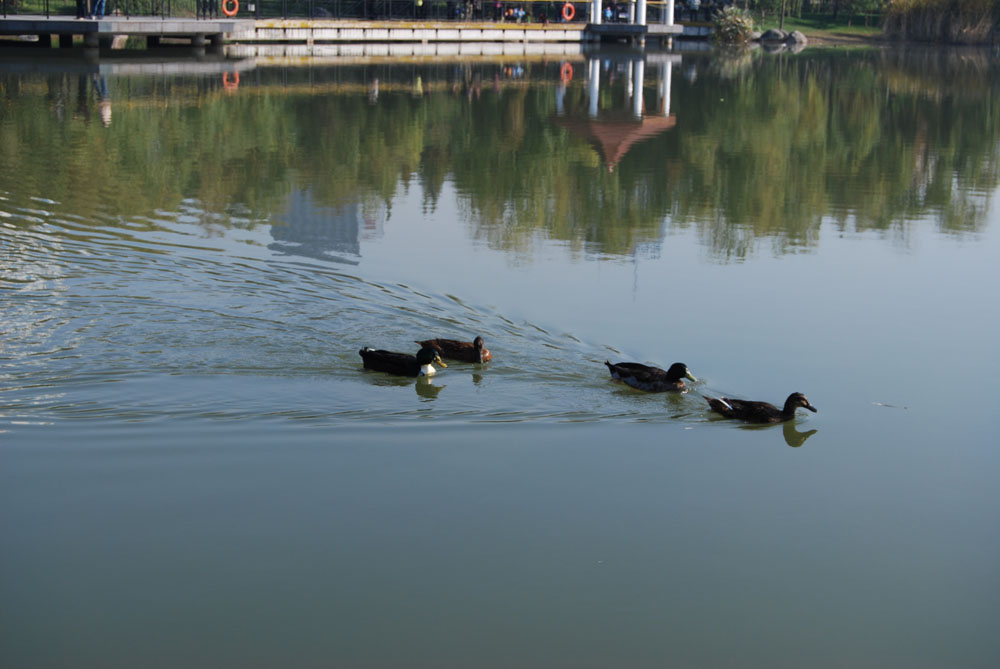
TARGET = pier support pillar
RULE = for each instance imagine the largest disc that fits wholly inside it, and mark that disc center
(198, 39)
(670, 13)
(152, 41)
(65, 41)
(217, 39)
(640, 12)
(45, 41)
(91, 40)
(595, 12)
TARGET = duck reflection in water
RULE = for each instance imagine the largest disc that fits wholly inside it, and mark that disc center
(793, 437)
(426, 389)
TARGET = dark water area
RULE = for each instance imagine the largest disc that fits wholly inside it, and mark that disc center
(196, 471)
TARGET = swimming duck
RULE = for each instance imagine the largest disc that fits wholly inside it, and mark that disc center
(402, 364)
(466, 351)
(653, 379)
(759, 412)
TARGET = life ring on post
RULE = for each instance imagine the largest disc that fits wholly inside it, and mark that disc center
(568, 12)
(231, 85)
(230, 12)
(566, 72)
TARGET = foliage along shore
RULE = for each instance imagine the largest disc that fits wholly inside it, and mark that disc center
(945, 21)
(937, 21)
(962, 22)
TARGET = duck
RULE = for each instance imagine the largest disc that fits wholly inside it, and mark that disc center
(466, 351)
(651, 379)
(759, 412)
(402, 364)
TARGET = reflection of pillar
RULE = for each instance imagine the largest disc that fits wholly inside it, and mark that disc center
(629, 83)
(594, 85)
(595, 12)
(670, 12)
(640, 12)
(639, 67)
(560, 98)
(666, 78)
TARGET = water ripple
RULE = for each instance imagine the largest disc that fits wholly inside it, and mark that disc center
(137, 320)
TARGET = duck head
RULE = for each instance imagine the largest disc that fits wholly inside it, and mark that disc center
(484, 353)
(679, 371)
(796, 400)
(428, 357)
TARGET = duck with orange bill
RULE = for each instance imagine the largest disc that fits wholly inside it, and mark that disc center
(464, 351)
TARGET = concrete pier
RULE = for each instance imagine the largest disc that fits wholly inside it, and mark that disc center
(102, 31)
(333, 31)
(310, 32)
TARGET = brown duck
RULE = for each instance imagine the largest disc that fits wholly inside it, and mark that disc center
(651, 379)
(466, 351)
(759, 412)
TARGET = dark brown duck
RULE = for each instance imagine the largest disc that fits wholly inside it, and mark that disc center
(759, 412)
(465, 351)
(651, 379)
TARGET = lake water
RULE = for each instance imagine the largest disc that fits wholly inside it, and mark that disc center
(196, 471)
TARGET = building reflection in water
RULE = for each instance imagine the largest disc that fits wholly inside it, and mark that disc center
(614, 131)
(321, 232)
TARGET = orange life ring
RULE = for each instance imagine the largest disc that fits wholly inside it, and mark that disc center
(231, 85)
(566, 72)
(568, 12)
(230, 12)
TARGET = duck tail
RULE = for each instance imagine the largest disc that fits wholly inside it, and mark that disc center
(716, 402)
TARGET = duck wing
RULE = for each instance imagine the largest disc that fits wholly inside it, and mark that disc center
(751, 412)
(454, 349)
(643, 377)
(390, 361)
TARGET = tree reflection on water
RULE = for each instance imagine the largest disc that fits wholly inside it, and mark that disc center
(757, 149)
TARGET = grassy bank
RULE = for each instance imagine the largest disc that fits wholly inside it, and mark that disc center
(823, 28)
(940, 21)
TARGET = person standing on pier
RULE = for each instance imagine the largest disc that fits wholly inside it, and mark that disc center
(97, 9)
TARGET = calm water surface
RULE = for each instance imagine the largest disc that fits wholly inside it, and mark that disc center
(196, 471)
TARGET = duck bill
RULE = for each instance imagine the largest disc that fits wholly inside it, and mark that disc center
(439, 361)
(812, 408)
(690, 377)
